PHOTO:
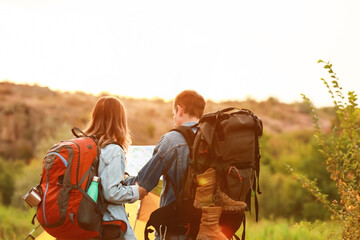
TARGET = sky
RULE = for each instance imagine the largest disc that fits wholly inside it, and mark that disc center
(225, 50)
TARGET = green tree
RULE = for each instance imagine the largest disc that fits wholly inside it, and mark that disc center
(298, 149)
(341, 158)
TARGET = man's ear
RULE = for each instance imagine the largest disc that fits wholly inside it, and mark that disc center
(180, 110)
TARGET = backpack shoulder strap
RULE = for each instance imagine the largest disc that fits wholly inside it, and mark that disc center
(187, 133)
(189, 136)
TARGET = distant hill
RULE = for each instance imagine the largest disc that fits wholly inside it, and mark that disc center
(29, 114)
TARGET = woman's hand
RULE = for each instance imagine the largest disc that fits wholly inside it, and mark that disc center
(142, 191)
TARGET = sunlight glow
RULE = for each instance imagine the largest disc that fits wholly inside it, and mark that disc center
(228, 50)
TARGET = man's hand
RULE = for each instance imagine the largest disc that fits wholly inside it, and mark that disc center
(142, 192)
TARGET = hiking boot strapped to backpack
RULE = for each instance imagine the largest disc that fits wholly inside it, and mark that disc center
(225, 153)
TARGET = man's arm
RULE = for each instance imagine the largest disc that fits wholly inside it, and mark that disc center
(149, 175)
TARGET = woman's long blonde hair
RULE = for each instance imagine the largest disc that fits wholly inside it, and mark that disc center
(109, 123)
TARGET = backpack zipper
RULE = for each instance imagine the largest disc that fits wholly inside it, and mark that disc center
(47, 186)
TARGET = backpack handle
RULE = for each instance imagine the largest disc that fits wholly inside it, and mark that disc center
(229, 109)
(74, 129)
(235, 108)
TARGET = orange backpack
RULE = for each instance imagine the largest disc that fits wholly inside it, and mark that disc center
(66, 211)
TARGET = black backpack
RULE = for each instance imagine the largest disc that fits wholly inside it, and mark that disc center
(228, 141)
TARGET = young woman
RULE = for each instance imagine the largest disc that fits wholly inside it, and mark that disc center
(109, 125)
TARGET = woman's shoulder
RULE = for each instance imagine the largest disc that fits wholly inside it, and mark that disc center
(113, 149)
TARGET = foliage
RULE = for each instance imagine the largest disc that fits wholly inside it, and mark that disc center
(29, 178)
(341, 157)
(8, 173)
(15, 223)
(63, 132)
(282, 196)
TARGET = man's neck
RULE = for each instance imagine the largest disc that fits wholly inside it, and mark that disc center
(189, 119)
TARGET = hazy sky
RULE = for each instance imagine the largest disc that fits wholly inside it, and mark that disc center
(223, 49)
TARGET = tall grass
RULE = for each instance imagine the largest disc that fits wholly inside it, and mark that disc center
(15, 223)
(285, 230)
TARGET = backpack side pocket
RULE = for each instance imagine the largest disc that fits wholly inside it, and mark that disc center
(89, 216)
(236, 182)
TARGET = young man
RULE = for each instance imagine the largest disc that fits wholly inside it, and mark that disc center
(171, 154)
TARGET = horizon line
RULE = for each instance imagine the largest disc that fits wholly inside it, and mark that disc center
(154, 98)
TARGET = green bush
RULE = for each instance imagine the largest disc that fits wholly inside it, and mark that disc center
(341, 153)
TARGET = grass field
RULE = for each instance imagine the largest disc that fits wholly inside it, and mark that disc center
(16, 224)
(283, 230)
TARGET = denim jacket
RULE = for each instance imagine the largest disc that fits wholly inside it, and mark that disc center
(111, 172)
(172, 153)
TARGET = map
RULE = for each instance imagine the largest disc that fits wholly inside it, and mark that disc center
(137, 157)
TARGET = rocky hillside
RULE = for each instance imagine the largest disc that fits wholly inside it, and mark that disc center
(29, 114)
